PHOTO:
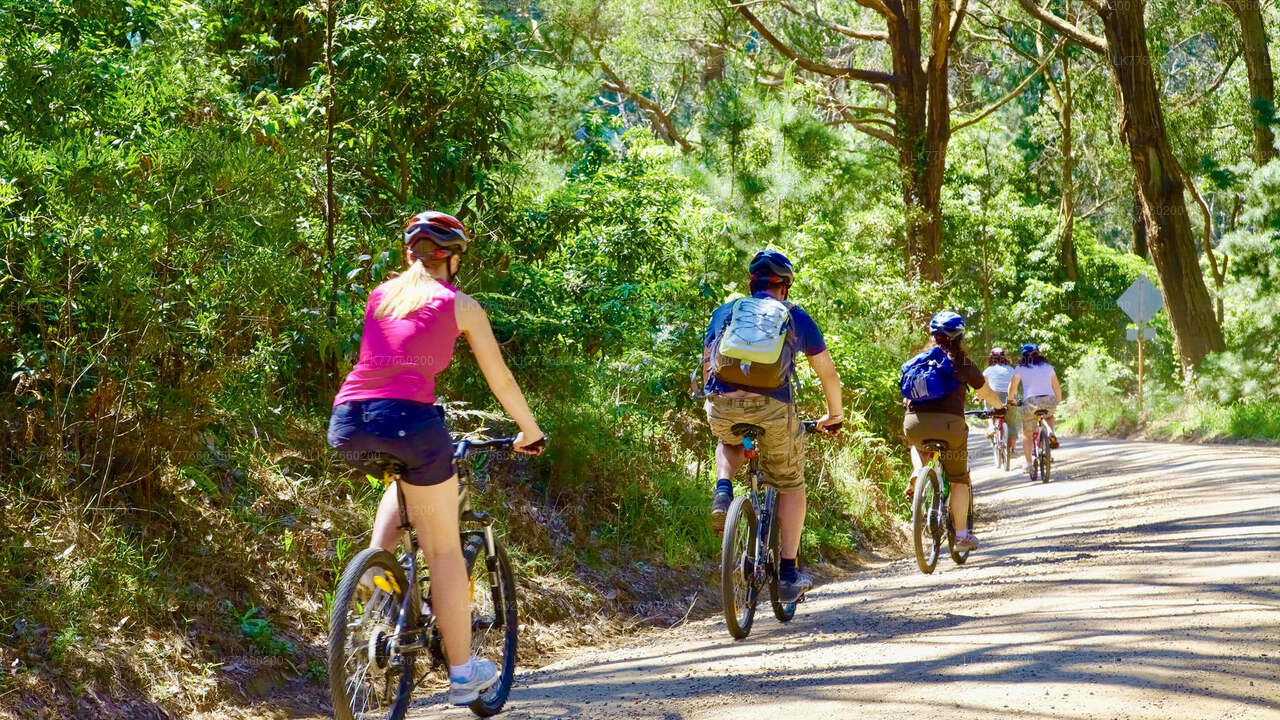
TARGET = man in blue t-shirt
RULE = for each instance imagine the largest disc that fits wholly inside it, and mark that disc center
(782, 446)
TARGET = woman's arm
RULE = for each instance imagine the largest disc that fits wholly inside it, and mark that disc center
(474, 324)
(1057, 389)
(989, 396)
(1013, 386)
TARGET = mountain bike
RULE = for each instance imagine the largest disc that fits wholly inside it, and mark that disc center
(378, 634)
(1000, 442)
(750, 554)
(1041, 453)
(930, 508)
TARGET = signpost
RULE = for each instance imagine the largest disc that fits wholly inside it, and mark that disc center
(1140, 302)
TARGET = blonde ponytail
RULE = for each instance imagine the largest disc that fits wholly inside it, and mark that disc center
(407, 292)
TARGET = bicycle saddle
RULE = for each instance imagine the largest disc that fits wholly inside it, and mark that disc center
(747, 430)
(1041, 413)
(387, 463)
(938, 445)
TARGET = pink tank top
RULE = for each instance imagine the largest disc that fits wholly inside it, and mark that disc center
(399, 359)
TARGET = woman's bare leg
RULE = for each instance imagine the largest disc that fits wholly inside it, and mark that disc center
(434, 512)
(386, 526)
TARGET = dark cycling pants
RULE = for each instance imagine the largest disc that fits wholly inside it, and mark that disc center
(412, 432)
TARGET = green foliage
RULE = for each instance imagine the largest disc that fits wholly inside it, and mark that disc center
(173, 324)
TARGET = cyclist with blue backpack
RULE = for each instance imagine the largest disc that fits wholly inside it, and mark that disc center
(748, 364)
(935, 384)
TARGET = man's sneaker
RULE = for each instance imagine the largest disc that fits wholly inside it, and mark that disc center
(719, 509)
(966, 541)
(790, 592)
(1053, 441)
(464, 691)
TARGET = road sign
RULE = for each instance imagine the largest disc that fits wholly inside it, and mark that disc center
(1131, 333)
(1141, 301)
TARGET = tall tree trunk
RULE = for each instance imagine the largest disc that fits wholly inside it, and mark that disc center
(1160, 186)
(1257, 60)
(921, 106)
(330, 198)
(1067, 205)
(1138, 242)
(923, 129)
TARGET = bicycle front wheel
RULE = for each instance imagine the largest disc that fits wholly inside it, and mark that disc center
(369, 678)
(926, 520)
(739, 589)
(495, 625)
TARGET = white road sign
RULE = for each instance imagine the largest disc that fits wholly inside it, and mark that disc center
(1141, 301)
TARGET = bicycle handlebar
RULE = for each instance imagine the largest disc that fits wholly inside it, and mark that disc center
(811, 426)
(993, 412)
(462, 447)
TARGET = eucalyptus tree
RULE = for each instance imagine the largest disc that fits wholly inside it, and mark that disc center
(1160, 179)
(881, 67)
(1257, 60)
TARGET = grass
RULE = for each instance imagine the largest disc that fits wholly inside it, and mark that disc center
(154, 591)
(1173, 417)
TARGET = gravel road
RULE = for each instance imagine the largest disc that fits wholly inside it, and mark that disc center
(1144, 582)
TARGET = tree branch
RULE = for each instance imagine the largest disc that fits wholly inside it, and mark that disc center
(870, 76)
(654, 110)
(1044, 63)
(878, 6)
(1098, 206)
(835, 27)
(1212, 88)
(957, 18)
(1218, 277)
(1077, 35)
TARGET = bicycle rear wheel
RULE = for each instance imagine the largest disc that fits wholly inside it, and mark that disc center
(1045, 461)
(782, 611)
(368, 677)
(926, 520)
(998, 449)
(739, 590)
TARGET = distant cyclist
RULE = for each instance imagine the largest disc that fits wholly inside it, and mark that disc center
(748, 364)
(387, 406)
(940, 377)
(998, 374)
(1040, 391)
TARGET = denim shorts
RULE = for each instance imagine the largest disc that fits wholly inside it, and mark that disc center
(363, 431)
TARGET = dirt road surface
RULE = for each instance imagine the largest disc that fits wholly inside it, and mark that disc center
(1143, 582)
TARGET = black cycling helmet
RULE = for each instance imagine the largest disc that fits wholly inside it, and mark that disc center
(947, 323)
(771, 264)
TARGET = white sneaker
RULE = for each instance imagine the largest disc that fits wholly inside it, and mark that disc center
(464, 691)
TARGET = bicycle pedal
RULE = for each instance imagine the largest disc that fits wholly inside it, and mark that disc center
(484, 622)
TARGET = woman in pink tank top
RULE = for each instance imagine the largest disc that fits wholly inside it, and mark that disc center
(386, 406)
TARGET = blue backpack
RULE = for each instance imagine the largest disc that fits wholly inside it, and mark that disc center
(928, 376)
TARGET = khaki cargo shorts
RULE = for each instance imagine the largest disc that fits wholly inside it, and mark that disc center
(783, 444)
(1032, 404)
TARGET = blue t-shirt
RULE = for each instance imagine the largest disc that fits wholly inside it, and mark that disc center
(807, 339)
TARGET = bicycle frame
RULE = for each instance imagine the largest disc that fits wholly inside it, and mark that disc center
(932, 461)
(761, 562)
(415, 636)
